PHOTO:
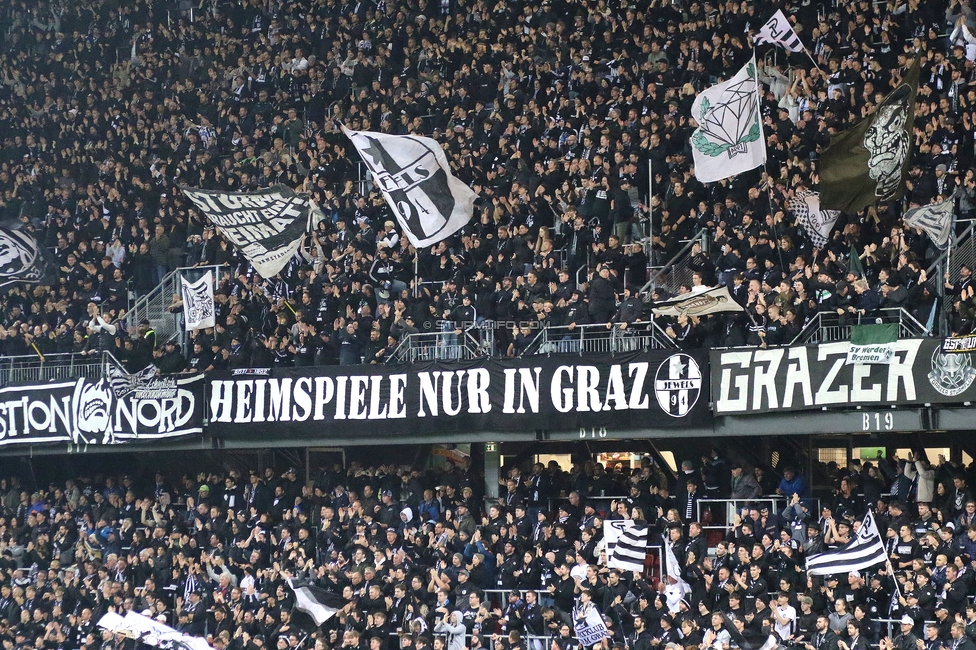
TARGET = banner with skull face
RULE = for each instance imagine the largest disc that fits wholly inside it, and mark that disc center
(413, 173)
(22, 260)
(867, 164)
(118, 408)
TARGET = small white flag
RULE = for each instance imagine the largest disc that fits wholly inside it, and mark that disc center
(729, 138)
(417, 183)
(679, 588)
(816, 222)
(630, 551)
(935, 219)
(590, 628)
(198, 302)
(710, 301)
(779, 31)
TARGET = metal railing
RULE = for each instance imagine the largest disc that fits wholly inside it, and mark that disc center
(677, 270)
(718, 514)
(826, 327)
(155, 305)
(961, 251)
(32, 369)
(444, 346)
(599, 339)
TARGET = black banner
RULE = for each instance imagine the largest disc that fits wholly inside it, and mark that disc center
(958, 344)
(266, 226)
(659, 389)
(123, 408)
(817, 376)
(23, 260)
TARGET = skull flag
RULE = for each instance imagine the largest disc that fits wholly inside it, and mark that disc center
(22, 260)
(867, 164)
(412, 172)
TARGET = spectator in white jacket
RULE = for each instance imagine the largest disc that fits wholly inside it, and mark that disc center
(920, 467)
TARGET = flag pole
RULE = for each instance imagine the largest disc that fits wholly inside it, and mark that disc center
(897, 592)
(650, 208)
(810, 56)
(769, 178)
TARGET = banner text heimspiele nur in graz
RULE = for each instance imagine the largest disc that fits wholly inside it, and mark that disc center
(652, 389)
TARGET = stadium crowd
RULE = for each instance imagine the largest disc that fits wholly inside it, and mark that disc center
(420, 559)
(553, 111)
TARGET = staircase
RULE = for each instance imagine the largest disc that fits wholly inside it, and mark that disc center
(154, 306)
(677, 270)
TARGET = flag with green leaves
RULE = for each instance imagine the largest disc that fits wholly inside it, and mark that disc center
(873, 343)
(729, 138)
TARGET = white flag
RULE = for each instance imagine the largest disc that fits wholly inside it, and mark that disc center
(935, 219)
(630, 551)
(590, 628)
(865, 550)
(710, 301)
(198, 302)
(677, 590)
(729, 139)
(816, 222)
(416, 181)
(779, 31)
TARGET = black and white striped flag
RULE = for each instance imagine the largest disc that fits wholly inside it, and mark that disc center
(320, 604)
(817, 222)
(935, 219)
(630, 550)
(779, 31)
(865, 550)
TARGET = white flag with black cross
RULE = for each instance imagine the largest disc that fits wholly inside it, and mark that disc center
(415, 178)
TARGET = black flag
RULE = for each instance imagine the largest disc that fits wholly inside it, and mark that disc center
(867, 164)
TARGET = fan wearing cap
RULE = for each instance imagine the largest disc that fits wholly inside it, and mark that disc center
(905, 639)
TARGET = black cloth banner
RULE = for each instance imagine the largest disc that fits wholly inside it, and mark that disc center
(266, 226)
(868, 163)
(102, 411)
(817, 376)
(660, 389)
(23, 260)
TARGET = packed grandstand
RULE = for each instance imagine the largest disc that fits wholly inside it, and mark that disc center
(419, 558)
(557, 114)
(572, 122)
